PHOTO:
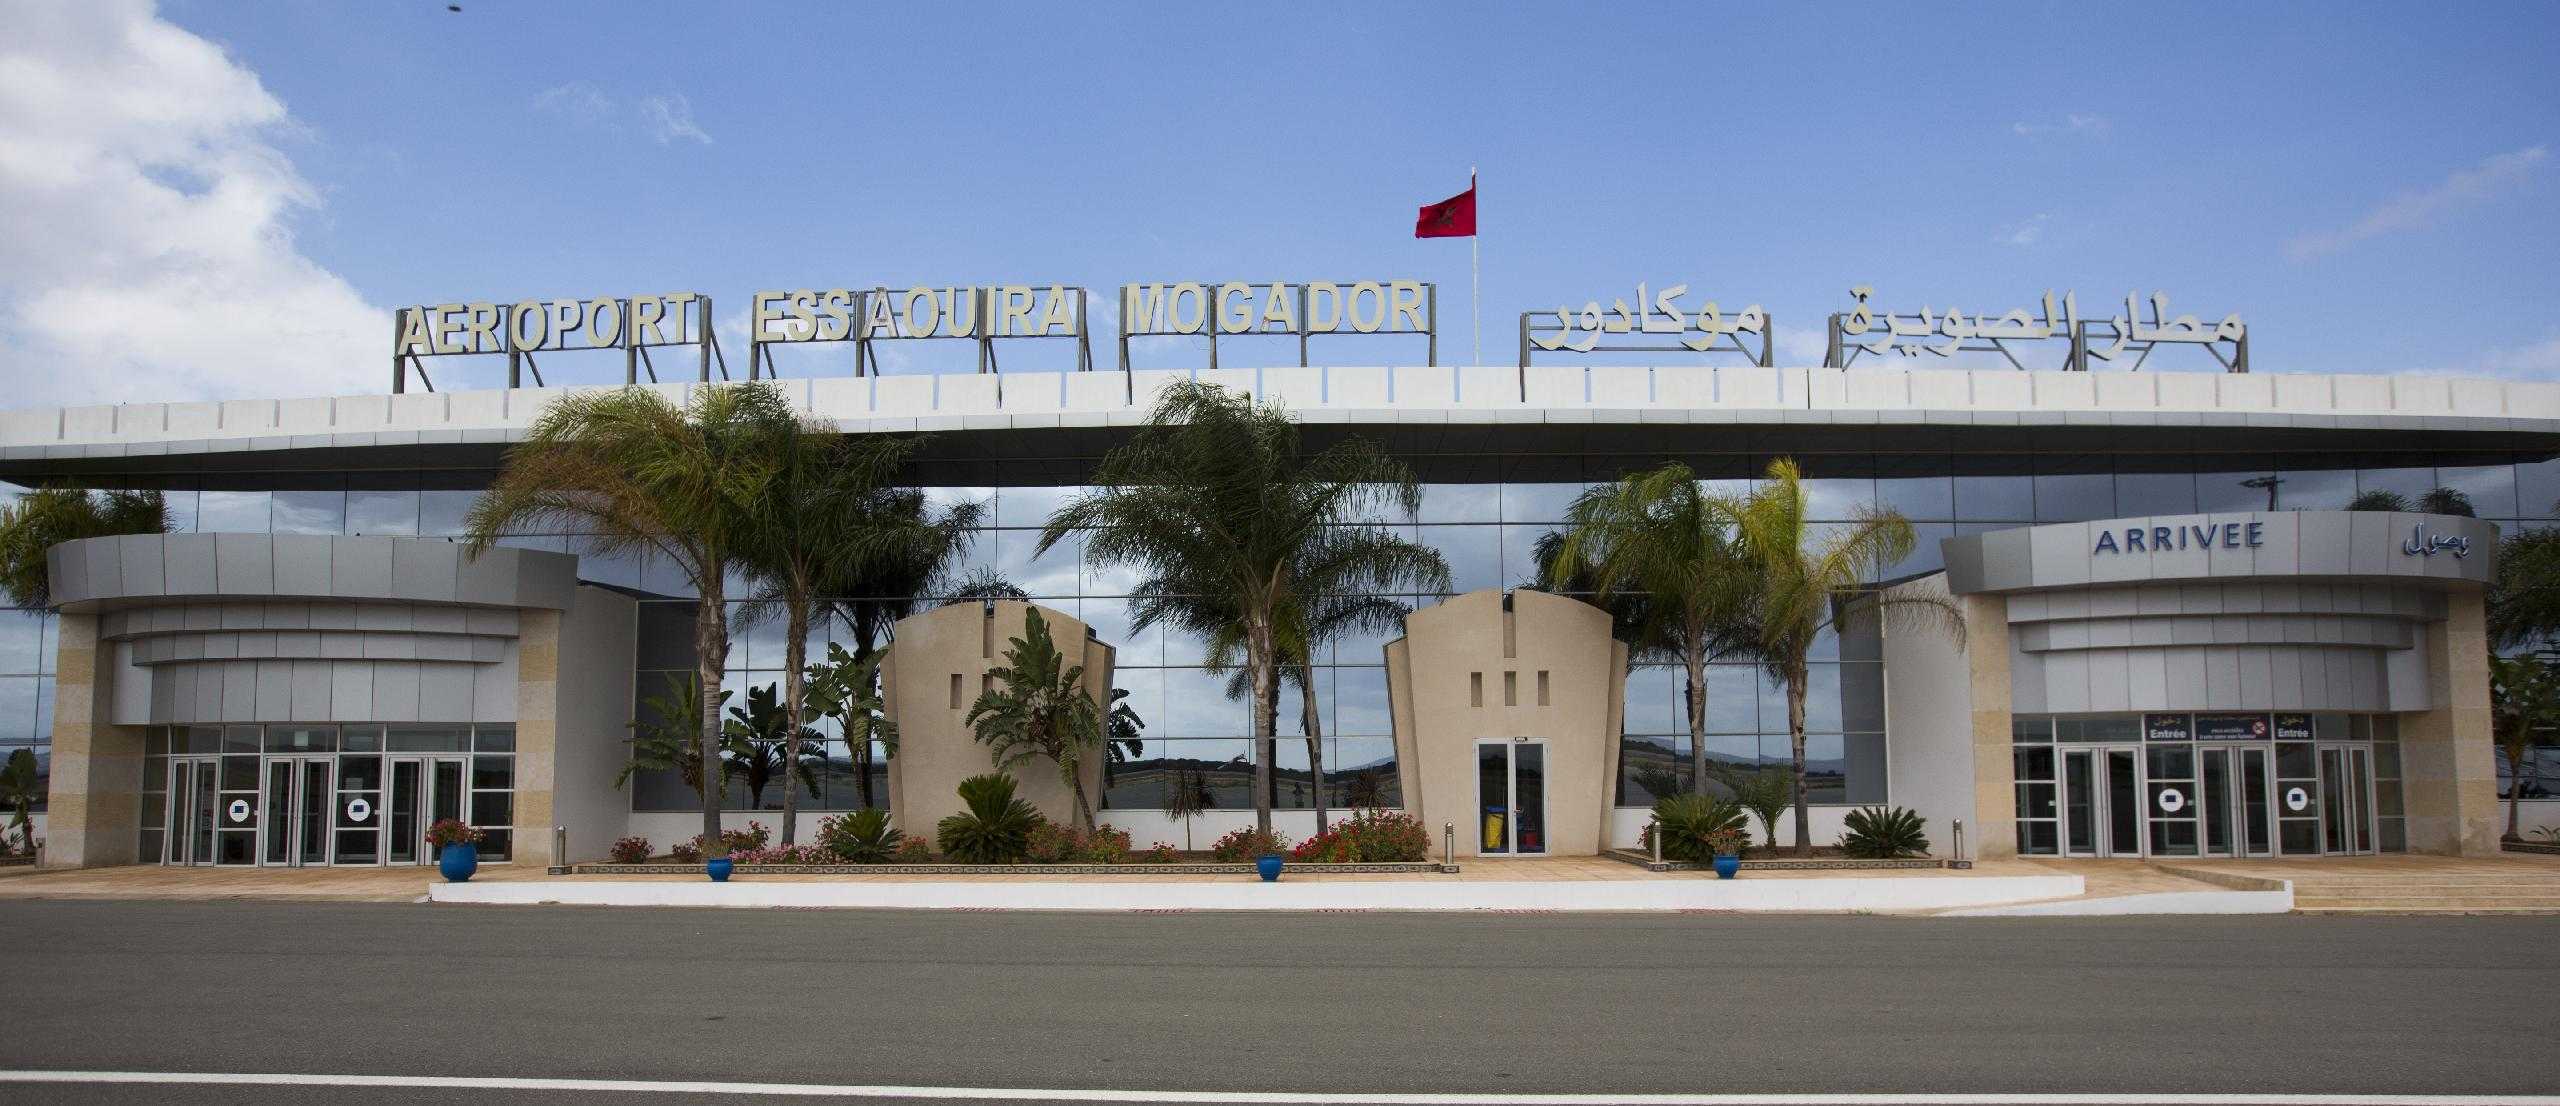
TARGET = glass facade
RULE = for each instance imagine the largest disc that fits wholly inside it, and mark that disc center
(2208, 783)
(1483, 511)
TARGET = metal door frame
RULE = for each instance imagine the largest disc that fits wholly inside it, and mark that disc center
(297, 804)
(1511, 794)
(178, 828)
(2358, 802)
(424, 853)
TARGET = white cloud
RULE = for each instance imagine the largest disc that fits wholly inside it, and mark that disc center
(2413, 210)
(579, 101)
(2535, 361)
(2089, 125)
(146, 241)
(2025, 233)
(670, 117)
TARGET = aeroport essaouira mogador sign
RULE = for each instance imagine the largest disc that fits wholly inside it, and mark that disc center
(1655, 320)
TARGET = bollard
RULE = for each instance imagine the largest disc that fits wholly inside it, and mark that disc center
(1657, 840)
(1448, 844)
(559, 851)
(1959, 861)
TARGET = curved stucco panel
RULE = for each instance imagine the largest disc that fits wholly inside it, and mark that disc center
(2237, 545)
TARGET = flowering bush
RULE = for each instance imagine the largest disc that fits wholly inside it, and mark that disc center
(785, 854)
(1728, 842)
(1107, 844)
(1160, 853)
(913, 850)
(451, 831)
(732, 842)
(1248, 843)
(1051, 843)
(630, 850)
(1371, 836)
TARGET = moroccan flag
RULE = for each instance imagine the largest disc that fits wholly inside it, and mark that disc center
(1454, 217)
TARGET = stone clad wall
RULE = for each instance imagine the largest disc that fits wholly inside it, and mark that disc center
(936, 750)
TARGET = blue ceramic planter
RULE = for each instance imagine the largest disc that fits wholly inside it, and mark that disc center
(1726, 866)
(457, 862)
(719, 867)
(1269, 866)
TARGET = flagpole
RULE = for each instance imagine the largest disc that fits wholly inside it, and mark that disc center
(1475, 269)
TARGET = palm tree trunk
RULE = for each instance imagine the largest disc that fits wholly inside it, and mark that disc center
(795, 657)
(1258, 655)
(711, 657)
(1314, 726)
(1696, 657)
(862, 753)
(1795, 739)
(1084, 806)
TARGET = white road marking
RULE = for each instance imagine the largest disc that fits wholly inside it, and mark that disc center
(1272, 1098)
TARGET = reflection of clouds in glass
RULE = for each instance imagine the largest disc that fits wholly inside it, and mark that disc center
(224, 512)
(1031, 506)
(1460, 503)
(1474, 554)
(1196, 705)
(1539, 503)
(1360, 702)
(1050, 574)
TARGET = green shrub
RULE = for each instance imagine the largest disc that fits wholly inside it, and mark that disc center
(996, 827)
(861, 837)
(913, 850)
(1884, 833)
(1107, 844)
(1160, 853)
(1246, 844)
(1687, 823)
(1051, 843)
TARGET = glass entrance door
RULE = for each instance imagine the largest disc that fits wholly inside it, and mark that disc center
(191, 811)
(2233, 796)
(1511, 796)
(2102, 802)
(294, 812)
(424, 791)
(2346, 799)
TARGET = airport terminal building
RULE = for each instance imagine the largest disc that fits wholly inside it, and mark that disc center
(2179, 641)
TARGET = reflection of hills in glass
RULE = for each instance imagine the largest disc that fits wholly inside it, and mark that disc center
(1226, 783)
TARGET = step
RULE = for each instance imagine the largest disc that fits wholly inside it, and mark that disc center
(2515, 911)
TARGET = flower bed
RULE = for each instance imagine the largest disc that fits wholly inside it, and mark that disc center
(941, 868)
(1784, 862)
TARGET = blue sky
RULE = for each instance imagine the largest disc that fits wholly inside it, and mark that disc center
(2371, 191)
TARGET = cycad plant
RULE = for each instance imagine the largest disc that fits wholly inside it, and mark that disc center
(1809, 577)
(1036, 708)
(994, 829)
(861, 837)
(846, 688)
(46, 517)
(663, 738)
(1658, 552)
(764, 745)
(1884, 833)
(1216, 498)
(637, 475)
(1689, 825)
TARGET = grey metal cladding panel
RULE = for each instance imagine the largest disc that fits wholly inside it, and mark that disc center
(2147, 676)
(2187, 681)
(351, 689)
(360, 568)
(395, 691)
(2222, 679)
(2008, 559)
(489, 579)
(424, 571)
(244, 564)
(102, 568)
(2066, 682)
(2110, 679)
(444, 692)
(2027, 683)
(142, 564)
(2279, 551)
(546, 580)
(311, 691)
(2257, 675)
(493, 692)
(385, 616)
(1963, 558)
(239, 691)
(2373, 544)
(2059, 555)
(190, 564)
(164, 694)
(2327, 544)
(67, 572)
(302, 564)
(2284, 680)
(275, 691)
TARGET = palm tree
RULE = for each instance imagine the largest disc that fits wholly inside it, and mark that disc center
(1808, 580)
(819, 525)
(2524, 601)
(1036, 707)
(635, 473)
(2378, 499)
(1216, 493)
(2524, 699)
(664, 737)
(46, 517)
(1319, 616)
(21, 788)
(2446, 501)
(874, 592)
(847, 689)
(764, 743)
(1656, 551)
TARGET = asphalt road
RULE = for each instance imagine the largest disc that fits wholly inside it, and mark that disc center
(1276, 1002)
